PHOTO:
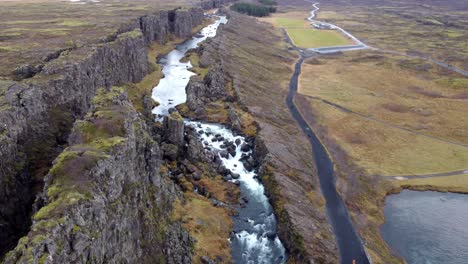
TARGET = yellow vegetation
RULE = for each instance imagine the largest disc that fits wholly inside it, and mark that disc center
(209, 225)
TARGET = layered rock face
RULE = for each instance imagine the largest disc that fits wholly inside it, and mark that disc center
(104, 199)
(37, 113)
(257, 67)
(209, 89)
(214, 3)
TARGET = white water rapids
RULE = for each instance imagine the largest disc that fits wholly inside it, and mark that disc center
(170, 91)
(254, 238)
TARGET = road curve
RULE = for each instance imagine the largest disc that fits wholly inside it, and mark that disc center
(331, 49)
(361, 45)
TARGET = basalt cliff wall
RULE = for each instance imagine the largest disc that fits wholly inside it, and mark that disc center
(104, 200)
(38, 112)
(247, 78)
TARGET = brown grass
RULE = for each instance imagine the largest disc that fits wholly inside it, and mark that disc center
(30, 30)
(209, 225)
(380, 88)
(384, 150)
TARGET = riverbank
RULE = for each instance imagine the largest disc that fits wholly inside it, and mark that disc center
(258, 68)
(45, 108)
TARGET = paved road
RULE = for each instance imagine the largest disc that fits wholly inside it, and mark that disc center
(359, 45)
(349, 243)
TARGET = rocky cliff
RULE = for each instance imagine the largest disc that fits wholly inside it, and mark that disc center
(104, 199)
(38, 112)
(246, 81)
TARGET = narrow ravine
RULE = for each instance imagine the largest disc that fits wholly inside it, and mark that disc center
(349, 243)
(254, 239)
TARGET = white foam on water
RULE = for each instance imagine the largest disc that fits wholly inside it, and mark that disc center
(256, 246)
(170, 91)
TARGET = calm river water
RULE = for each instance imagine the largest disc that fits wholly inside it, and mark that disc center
(427, 227)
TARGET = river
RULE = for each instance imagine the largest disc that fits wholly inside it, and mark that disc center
(427, 227)
(254, 239)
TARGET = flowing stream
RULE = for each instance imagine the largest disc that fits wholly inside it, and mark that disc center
(427, 227)
(254, 238)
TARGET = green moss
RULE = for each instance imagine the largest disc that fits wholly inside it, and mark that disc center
(74, 23)
(44, 225)
(454, 82)
(175, 115)
(58, 205)
(43, 259)
(134, 34)
(76, 229)
(104, 97)
(38, 239)
(293, 240)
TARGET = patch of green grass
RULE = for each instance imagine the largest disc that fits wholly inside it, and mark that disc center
(286, 22)
(454, 82)
(136, 33)
(65, 200)
(73, 23)
(312, 38)
(8, 48)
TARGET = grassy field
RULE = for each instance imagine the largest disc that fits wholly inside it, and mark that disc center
(302, 33)
(387, 97)
(393, 90)
(429, 29)
(455, 183)
(313, 38)
(382, 150)
(31, 30)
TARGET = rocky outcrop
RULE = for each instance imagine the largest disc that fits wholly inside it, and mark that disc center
(174, 128)
(210, 4)
(211, 88)
(257, 68)
(38, 113)
(104, 199)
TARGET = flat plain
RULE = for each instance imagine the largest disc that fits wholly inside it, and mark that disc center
(31, 30)
(303, 34)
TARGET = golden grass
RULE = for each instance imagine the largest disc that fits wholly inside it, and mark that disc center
(209, 225)
(384, 150)
(405, 28)
(455, 183)
(378, 87)
(137, 91)
(196, 68)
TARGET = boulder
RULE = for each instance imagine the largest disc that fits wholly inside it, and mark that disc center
(174, 126)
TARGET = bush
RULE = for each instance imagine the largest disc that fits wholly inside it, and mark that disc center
(268, 2)
(253, 9)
